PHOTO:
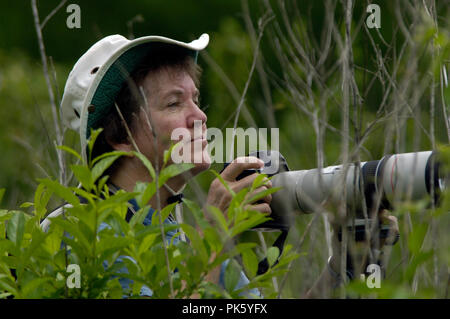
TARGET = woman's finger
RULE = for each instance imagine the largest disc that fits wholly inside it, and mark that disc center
(267, 199)
(238, 165)
(262, 208)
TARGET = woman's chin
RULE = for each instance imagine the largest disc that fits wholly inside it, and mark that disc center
(201, 165)
(199, 168)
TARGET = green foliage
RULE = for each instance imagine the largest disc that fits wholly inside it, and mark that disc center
(398, 74)
(421, 249)
(95, 236)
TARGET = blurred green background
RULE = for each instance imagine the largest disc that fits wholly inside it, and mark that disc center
(27, 132)
(297, 86)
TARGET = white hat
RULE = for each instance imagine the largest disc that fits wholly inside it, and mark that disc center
(97, 78)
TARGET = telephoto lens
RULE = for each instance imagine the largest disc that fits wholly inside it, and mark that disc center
(376, 184)
(372, 185)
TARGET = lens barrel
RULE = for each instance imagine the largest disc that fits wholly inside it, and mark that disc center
(379, 184)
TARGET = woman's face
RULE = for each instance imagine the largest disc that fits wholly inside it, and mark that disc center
(172, 106)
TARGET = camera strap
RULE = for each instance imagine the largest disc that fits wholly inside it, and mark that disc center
(263, 265)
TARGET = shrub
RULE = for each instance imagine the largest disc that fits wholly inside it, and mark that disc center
(42, 260)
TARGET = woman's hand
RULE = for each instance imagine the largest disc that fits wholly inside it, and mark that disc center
(220, 197)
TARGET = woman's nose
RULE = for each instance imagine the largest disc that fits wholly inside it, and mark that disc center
(197, 115)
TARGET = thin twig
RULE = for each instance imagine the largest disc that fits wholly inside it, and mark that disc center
(297, 248)
(230, 87)
(51, 14)
(263, 22)
(152, 127)
(59, 137)
(444, 106)
(262, 75)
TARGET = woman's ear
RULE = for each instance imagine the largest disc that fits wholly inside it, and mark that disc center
(122, 147)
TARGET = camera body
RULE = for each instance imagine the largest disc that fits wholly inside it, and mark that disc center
(274, 163)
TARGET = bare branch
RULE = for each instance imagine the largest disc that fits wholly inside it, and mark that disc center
(51, 14)
(262, 24)
(59, 136)
(152, 127)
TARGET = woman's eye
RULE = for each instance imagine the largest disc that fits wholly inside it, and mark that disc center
(173, 104)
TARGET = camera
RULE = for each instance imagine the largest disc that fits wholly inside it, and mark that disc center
(369, 186)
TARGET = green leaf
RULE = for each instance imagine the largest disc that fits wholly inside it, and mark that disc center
(235, 210)
(41, 198)
(272, 255)
(213, 239)
(139, 216)
(38, 238)
(172, 171)
(70, 151)
(219, 218)
(15, 228)
(110, 243)
(11, 262)
(196, 212)
(108, 154)
(164, 214)
(416, 237)
(83, 175)
(145, 192)
(76, 231)
(53, 241)
(250, 262)
(196, 241)
(5, 295)
(26, 205)
(114, 289)
(146, 163)
(120, 197)
(167, 153)
(287, 256)
(4, 215)
(261, 195)
(258, 181)
(8, 283)
(30, 288)
(232, 275)
(102, 166)
(256, 219)
(225, 184)
(416, 261)
(102, 184)
(86, 195)
(147, 242)
(92, 139)
(236, 250)
(61, 191)
(117, 220)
